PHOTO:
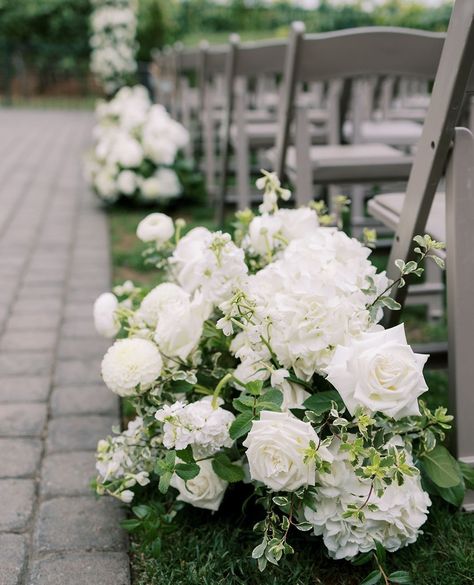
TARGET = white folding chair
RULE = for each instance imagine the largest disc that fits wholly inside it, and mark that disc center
(448, 217)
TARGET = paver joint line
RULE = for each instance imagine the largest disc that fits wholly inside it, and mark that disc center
(54, 260)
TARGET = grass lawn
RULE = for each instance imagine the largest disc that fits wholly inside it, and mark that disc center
(215, 549)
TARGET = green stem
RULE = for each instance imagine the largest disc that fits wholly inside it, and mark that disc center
(218, 389)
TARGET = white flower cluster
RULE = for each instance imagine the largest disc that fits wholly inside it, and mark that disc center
(304, 304)
(201, 424)
(208, 262)
(126, 460)
(136, 145)
(304, 392)
(113, 42)
(393, 519)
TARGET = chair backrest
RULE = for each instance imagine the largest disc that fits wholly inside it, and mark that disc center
(245, 61)
(453, 84)
(354, 54)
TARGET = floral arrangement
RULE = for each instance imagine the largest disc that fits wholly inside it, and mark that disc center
(260, 360)
(113, 42)
(136, 149)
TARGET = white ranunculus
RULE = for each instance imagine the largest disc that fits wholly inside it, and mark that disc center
(395, 522)
(187, 257)
(206, 490)
(379, 372)
(276, 447)
(156, 227)
(262, 230)
(127, 182)
(162, 299)
(105, 320)
(131, 366)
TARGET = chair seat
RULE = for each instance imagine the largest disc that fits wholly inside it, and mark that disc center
(387, 208)
(412, 114)
(352, 163)
(391, 132)
(255, 116)
(263, 134)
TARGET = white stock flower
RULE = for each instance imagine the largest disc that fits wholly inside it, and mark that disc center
(105, 320)
(131, 365)
(396, 522)
(156, 227)
(276, 446)
(201, 424)
(379, 372)
(297, 223)
(206, 490)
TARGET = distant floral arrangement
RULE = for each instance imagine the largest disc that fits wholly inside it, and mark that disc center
(260, 359)
(113, 43)
(136, 149)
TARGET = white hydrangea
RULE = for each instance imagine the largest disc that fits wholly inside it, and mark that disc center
(307, 302)
(201, 424)
(131, 365)
(400, 513)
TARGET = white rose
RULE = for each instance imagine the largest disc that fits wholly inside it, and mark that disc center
(127, 182)
(161, 300)
(106, 185)
(262, 230)
(179, 329)
(276, 447)
(156, 227)
(206, 490)
(105, 319)
(380, 372)
(297, 223)
(293, 394)
(131, 365)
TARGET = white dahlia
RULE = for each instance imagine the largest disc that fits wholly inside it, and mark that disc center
(131, 365)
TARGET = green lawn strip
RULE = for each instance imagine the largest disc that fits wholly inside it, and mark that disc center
(215, 549)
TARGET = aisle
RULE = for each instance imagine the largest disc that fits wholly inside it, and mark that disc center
(54, 260)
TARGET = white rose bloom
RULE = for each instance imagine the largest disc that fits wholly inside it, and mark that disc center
(379, 372)
(131, 366)
(396, 522)
(161, 300)
(200, 424)
(106, 184)
(276, 447)
(105, 320)
(293, 394)
(127, 182)
(156, 227)
(206, 490)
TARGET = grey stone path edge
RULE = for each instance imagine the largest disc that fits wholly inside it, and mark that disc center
(54, 261)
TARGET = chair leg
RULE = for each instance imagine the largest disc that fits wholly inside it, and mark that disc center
(304, 182)
(460, 276)
(242, 155)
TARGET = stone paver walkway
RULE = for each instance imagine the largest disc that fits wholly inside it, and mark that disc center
(54, 261)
